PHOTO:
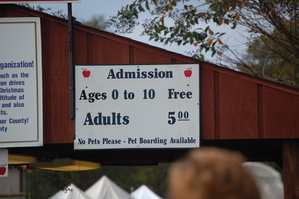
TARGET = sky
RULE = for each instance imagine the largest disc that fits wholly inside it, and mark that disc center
(85, 9)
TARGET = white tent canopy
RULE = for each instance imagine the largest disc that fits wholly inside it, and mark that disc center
(73, 193)
(143, 192)
(104, 188)
(268, 180)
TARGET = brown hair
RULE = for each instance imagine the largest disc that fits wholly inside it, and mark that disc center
(211, 173)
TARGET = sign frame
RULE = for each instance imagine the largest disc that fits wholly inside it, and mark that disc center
(22, 67)
(127, 98)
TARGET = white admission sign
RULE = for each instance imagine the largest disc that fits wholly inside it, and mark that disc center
(20, 82)
(137, 106)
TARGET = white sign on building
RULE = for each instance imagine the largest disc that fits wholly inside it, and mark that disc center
(137, 106)
(20, 82)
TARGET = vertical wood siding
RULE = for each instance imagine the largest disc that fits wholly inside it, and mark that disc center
(233, 105)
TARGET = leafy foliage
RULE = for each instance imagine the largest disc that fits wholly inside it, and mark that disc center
(270, 60)
(177, 21)
(96, 21)
(273, 49)
(272, 23)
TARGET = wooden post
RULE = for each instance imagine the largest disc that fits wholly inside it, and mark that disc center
(71, 60)
(290, 152)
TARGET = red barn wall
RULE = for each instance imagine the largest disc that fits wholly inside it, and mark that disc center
(233, 105)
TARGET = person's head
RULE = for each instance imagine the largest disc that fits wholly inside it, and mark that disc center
(211, 173)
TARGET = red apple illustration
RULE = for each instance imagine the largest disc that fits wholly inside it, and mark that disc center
(188, 72)
(2, 170)
(86, 73)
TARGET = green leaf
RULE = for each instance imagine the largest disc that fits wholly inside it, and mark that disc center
(191, 40)
(195, 35)
(173, 2)
(234, 25)
(214, 52)
(131, 6)
(167, 40)
(196, 20)
(214, 43)
(141, 8)
(207, 49)
(135, 13)
(147, 5)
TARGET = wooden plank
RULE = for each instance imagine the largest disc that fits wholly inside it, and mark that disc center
(281, 114)
(207, 108)
(106, 51)
(80, 47)
(132, 55)
(238, 109)
(250, 78)
(46, 60)
(143, 56)
(260, 92)
(14, 13)
(290, 150)
(217, 104)
(59, 106)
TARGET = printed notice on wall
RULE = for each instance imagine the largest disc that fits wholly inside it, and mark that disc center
(137, 106)
(20, 82)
